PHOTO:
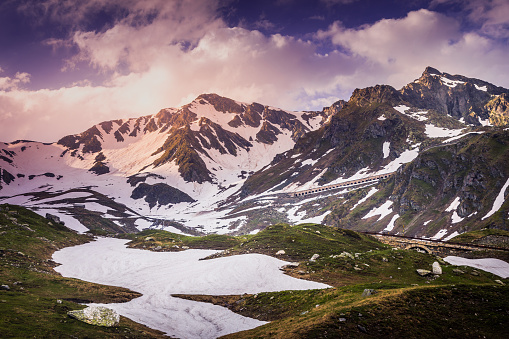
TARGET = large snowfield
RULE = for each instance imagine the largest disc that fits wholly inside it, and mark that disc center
(158, 275)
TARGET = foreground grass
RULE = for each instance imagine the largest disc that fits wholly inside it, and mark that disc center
(458, 303)
(38, 300)
(471, 311)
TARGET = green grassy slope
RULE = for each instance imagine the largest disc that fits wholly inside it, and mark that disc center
(38, 300)
(465, 302)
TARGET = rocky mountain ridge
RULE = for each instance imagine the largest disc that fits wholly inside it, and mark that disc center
(218, 165)
(197, 153)
(383, 130)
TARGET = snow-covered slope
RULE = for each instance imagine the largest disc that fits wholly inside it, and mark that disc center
(177, 164)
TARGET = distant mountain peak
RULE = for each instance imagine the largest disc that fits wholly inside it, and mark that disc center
(431, 71)
(221, 104)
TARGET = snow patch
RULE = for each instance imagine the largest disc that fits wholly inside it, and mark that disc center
(309, 162)
(499, 200)
(386, 148)
(485, 122)
(69, 221)
(158, 275)
(495, 266)
(402, 108)
(440, 234)
(370, 193)
(481, 88)
(382, 211)
(451, 83)
(390, 225)
(142, 224)
(440, 132)
(455, 203)
(460, 136)
(417, 115)
(405, 157)
(456, 218)
(452, 235)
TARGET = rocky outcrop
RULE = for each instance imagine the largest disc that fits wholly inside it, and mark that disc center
(380, 94)
(268, 133)
(54, 219)
(5, 177)
(436, 269)
(334, 108)
(99, 166)
(222, 104)
(457, 96)
(498, 109)
(161, 194)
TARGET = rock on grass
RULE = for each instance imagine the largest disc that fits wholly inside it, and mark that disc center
(96, 315)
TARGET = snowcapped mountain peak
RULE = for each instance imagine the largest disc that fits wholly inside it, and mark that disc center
(199, 154)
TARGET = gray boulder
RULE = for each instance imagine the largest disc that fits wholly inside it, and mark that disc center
(96, 315)
(436, 269)
(368, 291)
(54, 218)
(423, 273)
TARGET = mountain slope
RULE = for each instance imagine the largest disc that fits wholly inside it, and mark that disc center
(446, 190)
(378, 131)
(178, 162)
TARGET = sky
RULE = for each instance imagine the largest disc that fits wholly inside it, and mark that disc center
(66, 65)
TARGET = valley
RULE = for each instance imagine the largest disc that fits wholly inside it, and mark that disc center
(384, 215)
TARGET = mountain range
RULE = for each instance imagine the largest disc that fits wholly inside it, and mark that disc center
(217, 165)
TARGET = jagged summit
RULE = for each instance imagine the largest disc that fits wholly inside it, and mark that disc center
(468, 99)
(431, 71)
(452, 81)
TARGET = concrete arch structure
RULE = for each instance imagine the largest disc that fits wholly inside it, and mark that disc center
(419, 247)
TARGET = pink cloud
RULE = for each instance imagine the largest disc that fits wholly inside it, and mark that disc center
(397, 49)
(168, 59)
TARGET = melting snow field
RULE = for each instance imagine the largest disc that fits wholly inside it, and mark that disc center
(495, 266)
(157, 275)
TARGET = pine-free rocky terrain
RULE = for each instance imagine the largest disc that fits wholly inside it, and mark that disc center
(222, 175)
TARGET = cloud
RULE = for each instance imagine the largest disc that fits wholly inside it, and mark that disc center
(13, 83)
(245, 65)
(491, 15)
(394, 49)
(169, 60)
(165, 53)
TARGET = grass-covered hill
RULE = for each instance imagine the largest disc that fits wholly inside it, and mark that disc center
(37, 299)
(461, 302)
